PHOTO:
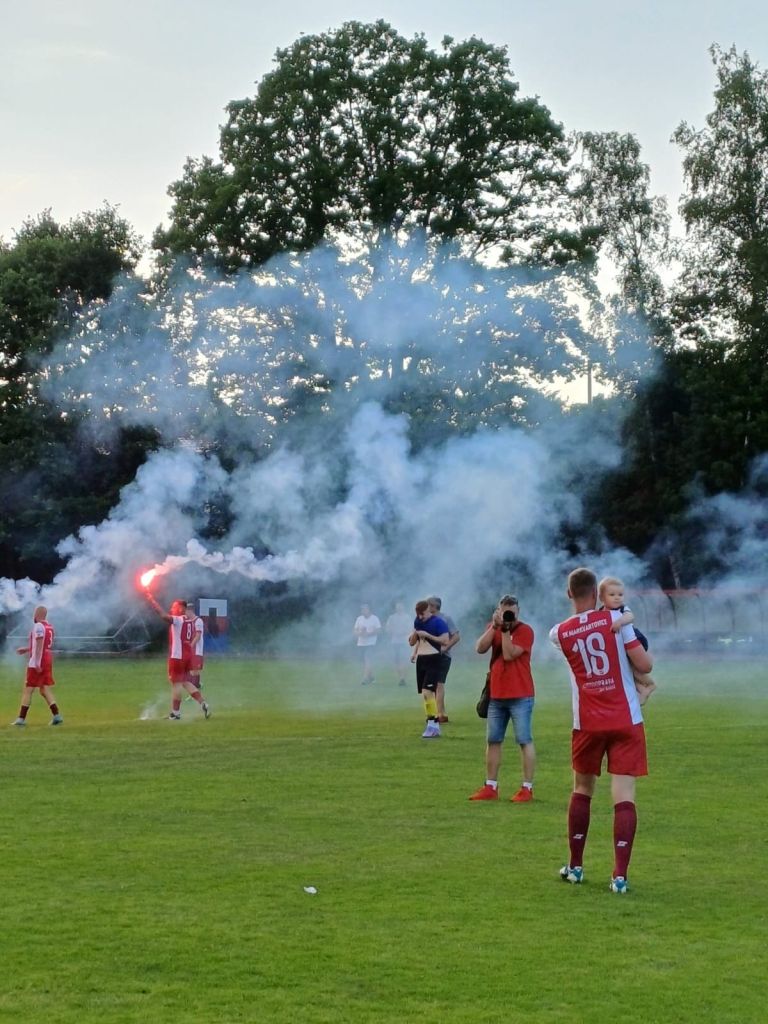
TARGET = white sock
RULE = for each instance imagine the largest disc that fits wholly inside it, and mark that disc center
(527, 785)
(492, 783)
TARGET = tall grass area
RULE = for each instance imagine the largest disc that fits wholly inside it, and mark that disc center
(155, 871)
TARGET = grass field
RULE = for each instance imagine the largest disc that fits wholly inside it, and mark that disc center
(155, 871)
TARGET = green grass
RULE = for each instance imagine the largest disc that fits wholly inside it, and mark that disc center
(154, 871)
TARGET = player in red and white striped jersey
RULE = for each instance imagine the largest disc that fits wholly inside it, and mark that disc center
(39, 667)
(607, 720)
(197, 645)
(181, 633)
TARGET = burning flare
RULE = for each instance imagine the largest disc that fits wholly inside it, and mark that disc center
(146, 577)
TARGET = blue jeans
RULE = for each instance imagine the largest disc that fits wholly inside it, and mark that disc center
(518, 710)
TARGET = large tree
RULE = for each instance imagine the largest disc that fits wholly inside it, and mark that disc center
(722, 301)
(624, 221)
(54, 479)
(698, 424)
(48, 274)
(628, 228)
(358, 130)
(724, 292)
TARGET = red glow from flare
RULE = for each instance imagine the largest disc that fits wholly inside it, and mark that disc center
(146, 577)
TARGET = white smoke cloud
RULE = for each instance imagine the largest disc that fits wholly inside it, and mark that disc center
(443, 519)
(17, 594)
(355, 503)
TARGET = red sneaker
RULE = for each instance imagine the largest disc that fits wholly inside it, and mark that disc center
(485, 793)
(522, 796)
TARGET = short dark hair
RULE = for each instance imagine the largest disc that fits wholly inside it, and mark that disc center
(581, 583)
(509, 599)
(435, 601)
(421, 607)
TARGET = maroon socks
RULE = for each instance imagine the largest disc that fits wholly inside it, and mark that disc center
(624, 827)
(578, 826)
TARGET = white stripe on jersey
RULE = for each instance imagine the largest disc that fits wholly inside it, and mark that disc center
(199, 637)
(35, 656)
(174, 636)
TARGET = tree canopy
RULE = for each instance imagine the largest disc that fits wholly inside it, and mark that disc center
(360, 130)
(724, 289)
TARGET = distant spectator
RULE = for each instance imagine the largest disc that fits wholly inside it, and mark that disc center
(367, 629)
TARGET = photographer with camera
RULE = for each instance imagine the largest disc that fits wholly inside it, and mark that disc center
(512, 695)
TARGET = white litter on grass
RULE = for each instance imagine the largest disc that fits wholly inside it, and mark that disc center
(311, 890)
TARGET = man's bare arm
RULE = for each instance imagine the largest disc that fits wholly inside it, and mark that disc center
(163, 615)
(485, 642)
(640, 659)
(454, 639)
(509, 649)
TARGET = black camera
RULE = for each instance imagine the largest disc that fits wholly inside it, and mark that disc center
(508, 620)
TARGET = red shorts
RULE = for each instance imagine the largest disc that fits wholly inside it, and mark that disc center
(178, 669)
(40, 676)
(195, 668)
(625, 749)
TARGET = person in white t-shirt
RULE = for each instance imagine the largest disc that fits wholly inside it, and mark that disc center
(367, 629)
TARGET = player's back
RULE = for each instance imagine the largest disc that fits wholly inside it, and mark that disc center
(45, 630)
(48, 637)
(603, 689)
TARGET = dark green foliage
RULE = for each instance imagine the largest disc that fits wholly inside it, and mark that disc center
(358, 130)
(698, 422)
(724, 290)
(54, 480)
(46, 276)
(625, 222)
(694, 429)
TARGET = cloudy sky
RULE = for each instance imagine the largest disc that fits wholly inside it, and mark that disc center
(102, 100)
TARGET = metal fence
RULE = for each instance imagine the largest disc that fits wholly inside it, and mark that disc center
(131, 637)
(706, 618)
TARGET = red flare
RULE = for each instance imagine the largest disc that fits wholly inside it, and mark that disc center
(146, 578)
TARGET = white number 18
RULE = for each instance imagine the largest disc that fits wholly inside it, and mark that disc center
(593, 654)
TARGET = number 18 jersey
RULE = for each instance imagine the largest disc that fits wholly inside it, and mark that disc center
(602, 684)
